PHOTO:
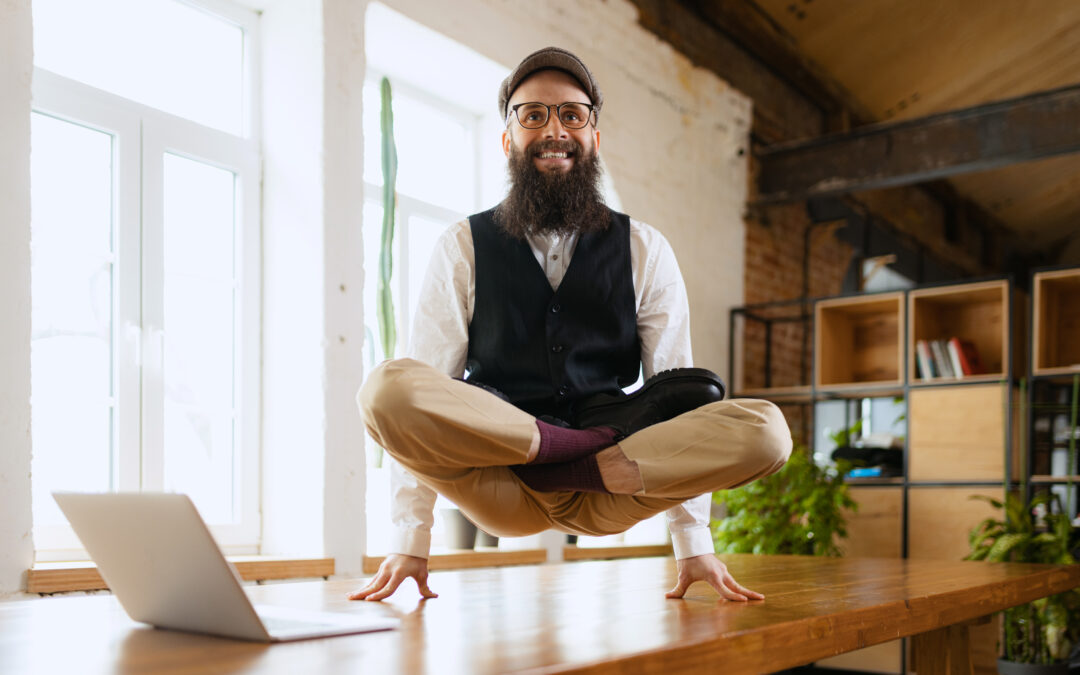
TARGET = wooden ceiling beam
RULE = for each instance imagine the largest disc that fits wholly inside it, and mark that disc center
(749, 26)
(915, 151)
(781, 112)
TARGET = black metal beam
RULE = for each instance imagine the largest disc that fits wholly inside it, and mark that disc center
(915, 151)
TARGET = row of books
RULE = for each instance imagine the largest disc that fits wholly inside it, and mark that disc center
(951, 358)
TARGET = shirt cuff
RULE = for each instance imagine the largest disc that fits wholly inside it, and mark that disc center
(692, 542)
(411, 541)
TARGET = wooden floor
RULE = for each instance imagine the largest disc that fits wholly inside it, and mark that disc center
(597, 617)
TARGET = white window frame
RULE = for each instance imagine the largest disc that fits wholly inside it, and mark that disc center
(141, 137)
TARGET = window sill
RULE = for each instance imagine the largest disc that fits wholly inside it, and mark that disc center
(456, 560)
(61, 577)
(616, 552)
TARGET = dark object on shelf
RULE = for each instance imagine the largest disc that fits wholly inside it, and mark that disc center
(889, 460)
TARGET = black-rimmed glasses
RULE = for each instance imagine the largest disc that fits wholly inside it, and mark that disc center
(534, 115)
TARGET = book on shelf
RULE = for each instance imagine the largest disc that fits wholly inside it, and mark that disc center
(953, 358)
(924, 361)
(966, 357)
(941, 358)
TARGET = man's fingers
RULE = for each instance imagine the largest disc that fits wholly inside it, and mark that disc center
(376, 583)
(731, 583)
(425, 591)
(717, 581)
(679, 590)
(388, 588)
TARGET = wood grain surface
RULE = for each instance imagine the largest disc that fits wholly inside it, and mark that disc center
(595, 617)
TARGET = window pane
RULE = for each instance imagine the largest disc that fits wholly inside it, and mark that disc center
(423, 235)
(163, 53)
(199, 323)
(436, 157)
(372, 232)
(71, 312)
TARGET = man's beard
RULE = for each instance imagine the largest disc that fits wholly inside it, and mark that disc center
(558, 202)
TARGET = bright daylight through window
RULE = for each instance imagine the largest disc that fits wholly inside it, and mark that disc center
(145, 277)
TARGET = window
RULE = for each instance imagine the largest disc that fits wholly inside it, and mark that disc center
(450, 164)
(145, 253)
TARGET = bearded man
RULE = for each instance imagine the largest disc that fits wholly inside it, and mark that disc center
(553, 303)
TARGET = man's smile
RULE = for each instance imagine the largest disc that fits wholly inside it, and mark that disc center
(553, 160)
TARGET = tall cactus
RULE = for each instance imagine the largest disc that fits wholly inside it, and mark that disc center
(385, 297)
(385, 302)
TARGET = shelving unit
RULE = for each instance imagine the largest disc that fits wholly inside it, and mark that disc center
(973, 312)
(961, 432)
(1056, 322)
(858, 342)
(1053, 439)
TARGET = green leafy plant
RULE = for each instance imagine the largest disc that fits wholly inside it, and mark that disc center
(1046, 630)
(798, 510)
(845, 437)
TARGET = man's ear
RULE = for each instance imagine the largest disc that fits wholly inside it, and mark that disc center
(506, 141)
(596, 139)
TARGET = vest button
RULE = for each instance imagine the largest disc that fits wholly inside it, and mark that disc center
(556, 348)
(563, 391)
(555, 308)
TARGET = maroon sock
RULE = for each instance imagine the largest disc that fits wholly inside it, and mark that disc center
(559, 445)
(580, 475)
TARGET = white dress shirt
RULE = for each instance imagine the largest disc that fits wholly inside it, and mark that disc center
(440, 338)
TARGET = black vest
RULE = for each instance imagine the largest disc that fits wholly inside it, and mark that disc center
(546, 349)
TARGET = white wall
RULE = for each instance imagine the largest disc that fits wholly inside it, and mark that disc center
(343, 193)
(16, 62)
(293, 414)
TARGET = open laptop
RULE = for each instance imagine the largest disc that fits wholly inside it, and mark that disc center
(157, 556)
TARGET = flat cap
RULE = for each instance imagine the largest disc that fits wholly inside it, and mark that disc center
(550, 57)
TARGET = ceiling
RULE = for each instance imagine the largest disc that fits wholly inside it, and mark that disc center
(902, 59)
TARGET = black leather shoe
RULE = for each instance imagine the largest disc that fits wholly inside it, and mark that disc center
(662, 397)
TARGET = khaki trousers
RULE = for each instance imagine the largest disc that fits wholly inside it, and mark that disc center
(459, 440)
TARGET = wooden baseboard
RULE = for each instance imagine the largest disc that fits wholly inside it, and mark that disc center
(61, 577)
(456, 560)
(616, 552)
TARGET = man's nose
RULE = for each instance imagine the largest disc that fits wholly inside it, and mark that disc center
(554, 127)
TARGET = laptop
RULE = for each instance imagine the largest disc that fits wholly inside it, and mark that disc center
(156, 554)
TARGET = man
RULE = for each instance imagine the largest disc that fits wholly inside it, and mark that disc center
(553, 303)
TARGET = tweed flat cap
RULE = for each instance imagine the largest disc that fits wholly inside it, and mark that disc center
(550, 57)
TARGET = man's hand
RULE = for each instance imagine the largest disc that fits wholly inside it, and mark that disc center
(709, 568)
(395, 569)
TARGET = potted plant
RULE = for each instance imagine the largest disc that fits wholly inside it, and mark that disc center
(1039, 637)
(798, 510)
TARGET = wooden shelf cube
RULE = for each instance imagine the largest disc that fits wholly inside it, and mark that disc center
(978, 313)
(957, 433)
(876, 529)
(857, 341)
(1056, 322)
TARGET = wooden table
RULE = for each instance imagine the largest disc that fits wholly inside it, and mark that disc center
(596, 617)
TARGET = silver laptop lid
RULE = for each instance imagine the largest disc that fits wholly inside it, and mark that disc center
(159, 559)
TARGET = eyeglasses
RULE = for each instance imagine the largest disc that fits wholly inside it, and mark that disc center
(534, 115)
